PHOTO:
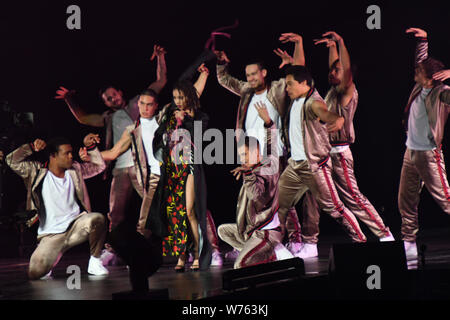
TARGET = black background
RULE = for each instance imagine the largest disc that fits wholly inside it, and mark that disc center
(38, 54)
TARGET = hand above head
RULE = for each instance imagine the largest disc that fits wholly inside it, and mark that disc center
(337, 125)
(328, 42)
(442, 75)
(262, 112)
(39, 145)
(203, 69)
(84, 156)
(290, 37)
(221, 56)
(158, 51)
(91, 139)
(62, 93)
(285, 57)
(332, 36)
(418, 33)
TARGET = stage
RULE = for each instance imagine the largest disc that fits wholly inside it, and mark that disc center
(426, 281)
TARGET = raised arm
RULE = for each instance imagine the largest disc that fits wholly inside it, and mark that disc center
(161, 69)
(16, 159)
(200, 84)
(334, 121)
(299, 54)
(422, 44)
(119, 148)
(93, 119)
(225, 79)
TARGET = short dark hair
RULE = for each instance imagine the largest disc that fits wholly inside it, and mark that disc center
(300, 74)
(261, 65)
(431, 66)
(249, 142)
(151, 93)
(53, 145)
(190, 93)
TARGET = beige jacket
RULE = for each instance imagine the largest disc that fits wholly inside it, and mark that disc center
(314, 132)
(33, 174)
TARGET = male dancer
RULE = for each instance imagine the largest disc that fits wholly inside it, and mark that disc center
(257, 233)
(306, 136)
(120, 115)
(342, 98)
(425, 117)
(59, 195)
(273, 95)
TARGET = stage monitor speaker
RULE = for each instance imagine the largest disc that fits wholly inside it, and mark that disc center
(369, 270)
(262, 274)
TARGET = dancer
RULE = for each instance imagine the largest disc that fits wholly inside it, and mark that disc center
(59, 195)
(119, 115)
(257, 233)
(306, 136)
(181, 192)
(273, 95)
(342, 98)
(423, 163)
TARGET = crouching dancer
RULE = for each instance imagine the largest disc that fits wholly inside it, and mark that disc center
(257, 233)
(59, 195)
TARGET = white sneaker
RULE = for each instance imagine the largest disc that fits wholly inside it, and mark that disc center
(308, 250)
(410, 249)
(232, 255)
(216, 260)
(387, 238)
(48, 276)
(282, 252)
(294, 247)
(106, 257)
(96, 267)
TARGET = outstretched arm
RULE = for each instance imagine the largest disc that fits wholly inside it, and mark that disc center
(161, 69)
(119, 148)
(93, 119)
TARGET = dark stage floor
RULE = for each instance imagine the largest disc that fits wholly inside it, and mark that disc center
(207, 284)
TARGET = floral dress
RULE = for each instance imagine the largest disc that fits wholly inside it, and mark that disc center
(178, 165)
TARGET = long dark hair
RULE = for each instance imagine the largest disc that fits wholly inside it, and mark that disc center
(189, 92)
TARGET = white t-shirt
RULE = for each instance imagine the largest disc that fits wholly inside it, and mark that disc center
(148, 127)
(120, 121)
(295, 131)
(419, 131)
(61, 208)
(254, 125)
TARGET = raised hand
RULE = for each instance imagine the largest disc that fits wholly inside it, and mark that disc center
(285, 57)
(328, 42)
(84, 156)
(62, 93)
(332, 36)
(418, 33)
(91, 139)
(290, 37)
(262, 112)
(157, 52)
(203, 69)
(39, 145)
(221, 56)
(442, 75)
